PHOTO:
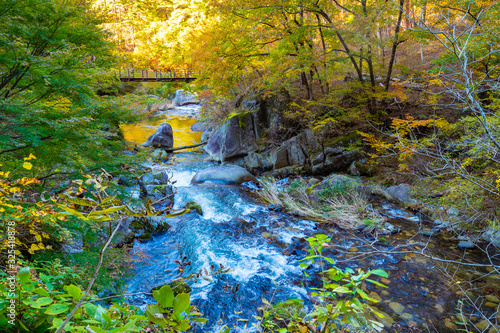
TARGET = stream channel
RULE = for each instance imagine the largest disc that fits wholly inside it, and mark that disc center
(262, 249)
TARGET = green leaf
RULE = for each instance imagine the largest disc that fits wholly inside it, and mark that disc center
(376, 283)
(380, 272)
(42, 301)
(41, 292)
(74, 292)
(165, 296)
(24, 274)
(181, 303)
(56, 309)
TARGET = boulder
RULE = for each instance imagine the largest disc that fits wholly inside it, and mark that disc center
(163, 137)
(236, 137)
(226, 174)
(199, 127)
(400, 192)
(184, 98)
(334, 185)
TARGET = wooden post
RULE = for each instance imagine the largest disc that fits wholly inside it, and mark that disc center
(128, 74)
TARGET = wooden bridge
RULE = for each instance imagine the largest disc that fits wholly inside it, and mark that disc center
(157, 75)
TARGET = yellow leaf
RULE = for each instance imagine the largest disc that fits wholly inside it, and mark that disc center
(38, 238)
(31, 157)
(27, 165)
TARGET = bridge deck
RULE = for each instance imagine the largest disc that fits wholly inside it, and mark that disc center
(157, 75)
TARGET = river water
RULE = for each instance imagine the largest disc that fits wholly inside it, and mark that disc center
(262, 249)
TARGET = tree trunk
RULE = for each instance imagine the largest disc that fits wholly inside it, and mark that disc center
(394, 45)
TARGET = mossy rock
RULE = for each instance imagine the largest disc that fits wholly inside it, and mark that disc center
(161, 227)
(178, 287)
(194, 206)
(145, 236)
(346, 140)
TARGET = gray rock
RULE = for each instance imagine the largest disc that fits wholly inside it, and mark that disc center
(453, 212)
(159, 154)
(427, 232)
(492, 235)
(236, 137)
(466, 245)
(400, 192)
(334, 159)
(207, 134)
(338, 184)
(157, 192)
(184, 98)
(226, 174)
(256, 163)
(163, 137)
(199, 127)
(391, 228)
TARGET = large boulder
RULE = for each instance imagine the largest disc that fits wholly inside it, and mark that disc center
(163, 137)
(252, 117)
(226, 175)
(184, 98)
(236, 137)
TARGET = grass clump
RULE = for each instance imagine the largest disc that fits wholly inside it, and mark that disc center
(339, 202)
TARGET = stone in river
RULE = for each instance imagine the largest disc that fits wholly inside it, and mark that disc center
(163, 137)
(226, 175)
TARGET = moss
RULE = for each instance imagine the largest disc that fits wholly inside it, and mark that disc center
(161, 227)
(241, 114)
(194, 206)
(145, 236)
(347, 140)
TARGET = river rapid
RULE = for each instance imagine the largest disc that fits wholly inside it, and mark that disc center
(262, 249)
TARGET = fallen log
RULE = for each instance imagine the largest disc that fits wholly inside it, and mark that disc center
(171, 150)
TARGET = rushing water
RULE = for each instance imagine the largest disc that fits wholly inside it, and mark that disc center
(262, 249)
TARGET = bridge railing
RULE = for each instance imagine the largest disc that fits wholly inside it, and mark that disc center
(134, 74)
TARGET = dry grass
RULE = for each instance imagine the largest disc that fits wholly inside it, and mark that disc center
(347, 208)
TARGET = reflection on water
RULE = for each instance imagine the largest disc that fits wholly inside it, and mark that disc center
(138, 133)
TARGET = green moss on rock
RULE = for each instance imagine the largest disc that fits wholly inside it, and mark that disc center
(194, 206)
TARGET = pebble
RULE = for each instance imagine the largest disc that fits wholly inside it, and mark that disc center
(396, 307)
(482, 325)
(375, 296)
(385, 281)
(407, 316)
(466, 245)
(314, 181)
(427, 232)
(491, 304)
